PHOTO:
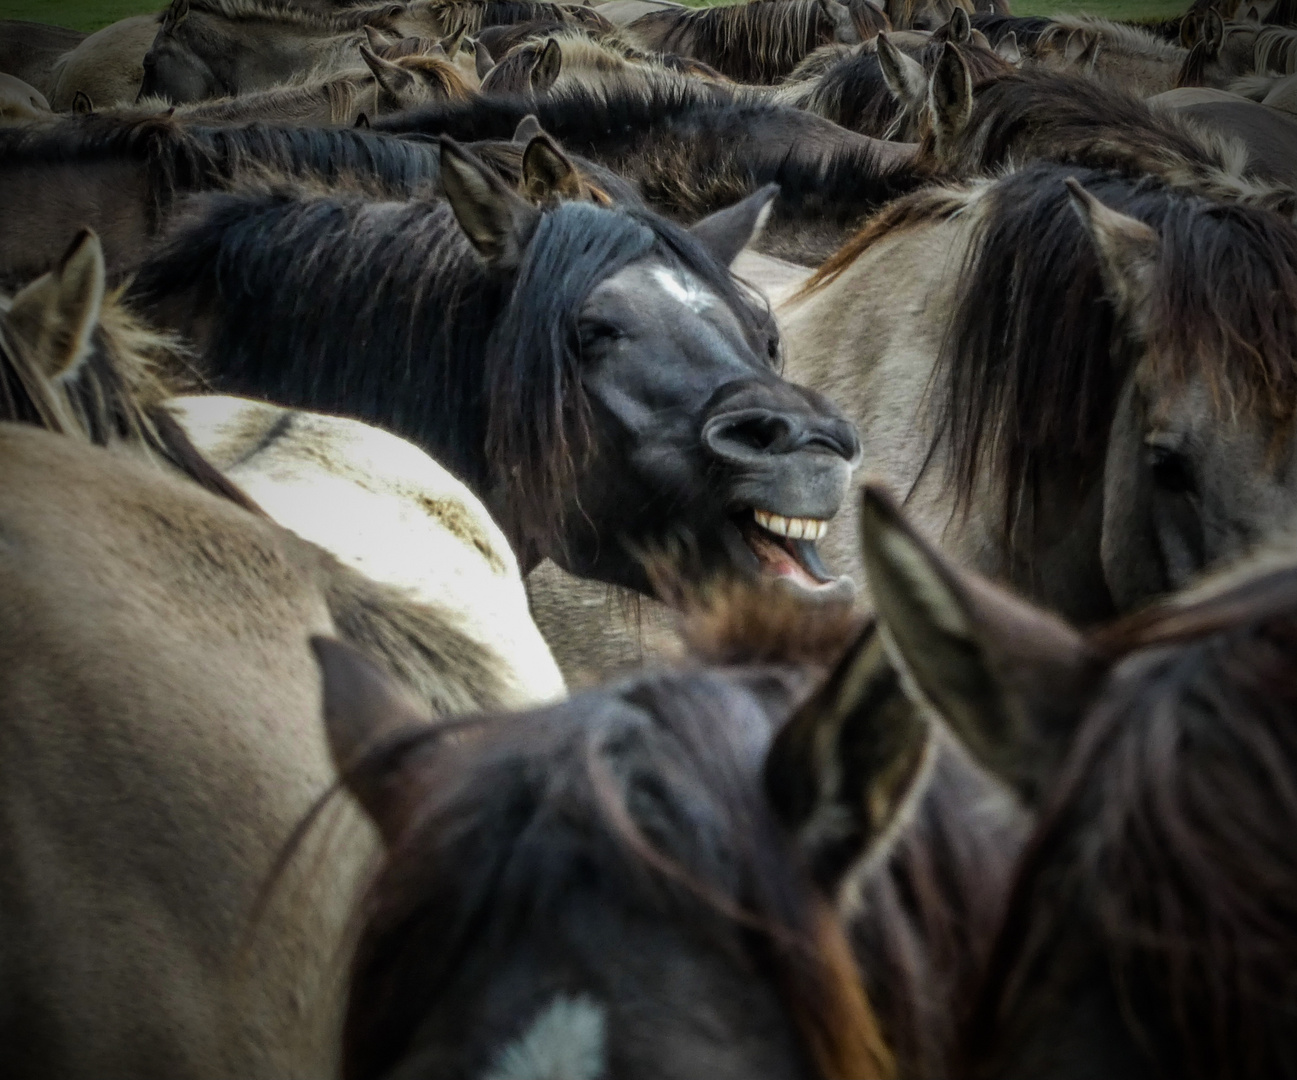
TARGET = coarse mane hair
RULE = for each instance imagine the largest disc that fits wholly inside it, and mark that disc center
(1068, 118)
(1168, 837)
(755, 42)
(663, 805)
(1027, 28)
(1027, 382)
(339, 20)
(681, 142)
(1275, 52)
(1121, 38)
(482, 372)
(181, 158)
(474, 15)
(115, 395)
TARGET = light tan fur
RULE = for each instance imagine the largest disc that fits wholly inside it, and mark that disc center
(1124, 55)
(108, 66)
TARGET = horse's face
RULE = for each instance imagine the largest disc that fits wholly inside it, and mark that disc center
(1189, 483)
(175, 72)
(589, 890)
(699, 439)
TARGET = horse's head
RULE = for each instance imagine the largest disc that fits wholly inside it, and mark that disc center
(173, 70)
(665, 424)
(604, 887)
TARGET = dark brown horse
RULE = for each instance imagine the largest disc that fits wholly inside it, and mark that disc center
(602, 888)
(1150, 926)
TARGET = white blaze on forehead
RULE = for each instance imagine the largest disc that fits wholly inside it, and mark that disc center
(565, 1042)
(684, 287)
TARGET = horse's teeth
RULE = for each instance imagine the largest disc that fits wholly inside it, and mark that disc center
(793, 528)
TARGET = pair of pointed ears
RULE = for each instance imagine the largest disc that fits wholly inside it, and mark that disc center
(499, 222)
(54, 318)
(1129, 254)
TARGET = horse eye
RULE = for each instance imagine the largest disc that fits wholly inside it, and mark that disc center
(595, 333)
(772, 348)
(1172, 471)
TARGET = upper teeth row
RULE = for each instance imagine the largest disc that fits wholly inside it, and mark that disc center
(793, 528)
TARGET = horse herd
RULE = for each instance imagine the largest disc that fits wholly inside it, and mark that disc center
(881, 420)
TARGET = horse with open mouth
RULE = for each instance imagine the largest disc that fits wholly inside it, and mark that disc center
(595, 375)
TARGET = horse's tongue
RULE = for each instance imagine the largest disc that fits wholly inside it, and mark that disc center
(775, 559)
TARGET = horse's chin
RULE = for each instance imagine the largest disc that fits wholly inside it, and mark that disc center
(762, 545)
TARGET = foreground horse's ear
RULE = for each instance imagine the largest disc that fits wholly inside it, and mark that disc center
(391, 77)
(727, 232)
(497, 221)
(1008, 679)
(55, 316)
(363, 707)
(903, 74)
(547, 172)
(950, 98)
(1128, 252)
(547, 68)
(841, 771)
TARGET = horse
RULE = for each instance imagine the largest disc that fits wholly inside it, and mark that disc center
(1269, 134)
(388, 86)
(1147, 923)
(1126, 56)
(534, 386)
(28, 51)
(107, 67)
(756, 42)
(978, 129)
(566, 891)
(1086, 372)
(222, 48)
(161, 718)
(691, 150)
(21, 102)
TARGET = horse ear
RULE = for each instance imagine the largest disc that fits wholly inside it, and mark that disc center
(548, 173)
(82, 105)
(545, 71)
(959, 29)
(451, 44)
(1189, 28)
(1008, 679)
(1213, 31)
(498, 222)
(177, 13)
(482, 61)
(363, 707)
(1128, 252)
(1252, 15)
(1077, 44)
(840, 773)
(1008, 49)
(950, 97)
(377, 39)
(528, 128)
(844, 26)
(55, 316)
(393, 78)
(362, 121)
(727, 232)
(904, 75)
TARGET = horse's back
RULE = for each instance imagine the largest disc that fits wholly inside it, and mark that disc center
(159, 742)
(386, 508)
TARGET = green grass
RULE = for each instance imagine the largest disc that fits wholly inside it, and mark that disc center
(90, 15)
(87, 15)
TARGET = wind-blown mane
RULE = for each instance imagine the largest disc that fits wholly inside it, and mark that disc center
(663, 808)
(1122, 38)
(484, 377)
(1275, 51)
(1027, 382)
(180, 158)
(1070, 118)
(1169, 835)
(689, 148)
(475, 15)
(754, 42)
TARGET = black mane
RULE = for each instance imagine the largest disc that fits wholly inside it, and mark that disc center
(1028, 380)
(382, 311)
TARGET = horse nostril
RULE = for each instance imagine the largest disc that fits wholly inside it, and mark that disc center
(751, 433)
